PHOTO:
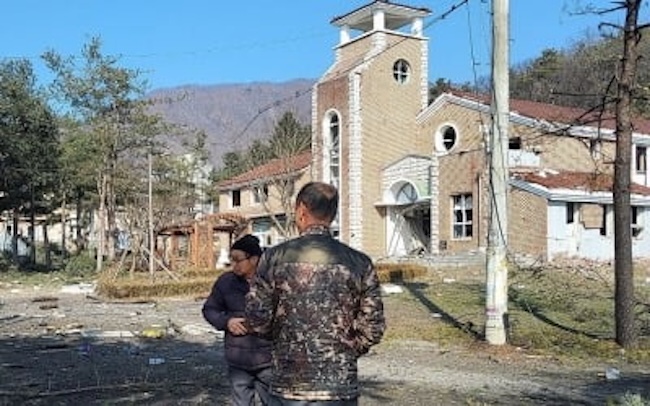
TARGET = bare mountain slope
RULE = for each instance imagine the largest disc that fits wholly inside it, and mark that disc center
(232, 115)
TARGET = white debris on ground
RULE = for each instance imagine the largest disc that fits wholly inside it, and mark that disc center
(390, 289)
(79, 288)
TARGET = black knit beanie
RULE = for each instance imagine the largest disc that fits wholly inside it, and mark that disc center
(249, 244)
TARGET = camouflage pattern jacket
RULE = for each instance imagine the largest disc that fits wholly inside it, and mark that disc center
(321, 302)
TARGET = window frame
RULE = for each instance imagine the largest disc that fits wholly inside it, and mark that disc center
(258, 192)
(402, 71)
(636, 220)
(235, 198)
(441, 135)
(464, 204)
(641, 159)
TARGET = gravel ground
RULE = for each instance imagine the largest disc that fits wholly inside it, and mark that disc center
(64, 348)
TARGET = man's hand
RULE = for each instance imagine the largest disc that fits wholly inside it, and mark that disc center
(237, 326)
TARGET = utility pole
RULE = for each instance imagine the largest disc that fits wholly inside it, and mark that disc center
(152, 240)
(496, 309)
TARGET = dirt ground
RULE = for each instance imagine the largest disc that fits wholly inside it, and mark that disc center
(67, 347)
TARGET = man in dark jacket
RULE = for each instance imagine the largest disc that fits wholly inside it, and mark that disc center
(248, 354)
(321, 302)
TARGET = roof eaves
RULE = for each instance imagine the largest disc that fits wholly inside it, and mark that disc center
(240, 184)
(573, 195)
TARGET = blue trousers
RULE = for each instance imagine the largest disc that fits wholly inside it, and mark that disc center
(246, 383)
(277, 401)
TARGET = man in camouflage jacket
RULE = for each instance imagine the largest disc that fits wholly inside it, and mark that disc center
(321, 302)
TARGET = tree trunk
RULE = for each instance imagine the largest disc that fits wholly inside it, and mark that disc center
(32, 228)
(624, 295)
(80, 240)
(64, 220)
(111, 225)
(14, 238)
(46, 246)
(101, 227)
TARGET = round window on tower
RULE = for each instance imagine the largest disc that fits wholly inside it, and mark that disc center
(401, 71)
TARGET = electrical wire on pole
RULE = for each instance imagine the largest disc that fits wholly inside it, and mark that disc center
(496, 306)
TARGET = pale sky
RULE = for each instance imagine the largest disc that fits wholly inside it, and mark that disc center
(176, 42)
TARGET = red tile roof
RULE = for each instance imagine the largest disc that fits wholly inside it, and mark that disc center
(559, 114)
(589, 182)
(271, 169)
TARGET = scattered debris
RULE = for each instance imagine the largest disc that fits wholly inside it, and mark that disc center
(612, 374)
(98, 333)
(79, 288)
(197, 330)
(156, 361)
(154, 331)
(389, 288)
(40, 299)
(48, 306)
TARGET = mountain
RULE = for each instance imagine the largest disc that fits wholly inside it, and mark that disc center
(232, 115)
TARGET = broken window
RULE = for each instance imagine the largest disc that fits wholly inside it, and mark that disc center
(235, 198)
(260, 194)
(406, 194)
(595, 147)
(462, 216)
(570, 212)
(636, 220)
(514, 143)
(641, 159)
(334, 150)
(446, 138)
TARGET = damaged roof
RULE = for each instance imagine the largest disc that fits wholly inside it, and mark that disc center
(273, 169)
(577, 181)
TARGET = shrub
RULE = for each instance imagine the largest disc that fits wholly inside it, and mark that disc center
(80, 265)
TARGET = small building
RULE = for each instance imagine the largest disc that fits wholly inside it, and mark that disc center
(202, 243)
(265, 195)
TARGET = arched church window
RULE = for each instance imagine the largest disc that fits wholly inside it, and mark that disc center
(334, 149)
(406, 194)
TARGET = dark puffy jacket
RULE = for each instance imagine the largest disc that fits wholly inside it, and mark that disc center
(227, 300)
(320, 300)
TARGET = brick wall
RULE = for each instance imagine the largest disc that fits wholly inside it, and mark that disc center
(527, 223)
(388, 129)
(378, 117)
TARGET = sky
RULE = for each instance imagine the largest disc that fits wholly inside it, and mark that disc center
(175, 43)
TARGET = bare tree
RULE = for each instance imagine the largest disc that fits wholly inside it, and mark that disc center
(626, 334)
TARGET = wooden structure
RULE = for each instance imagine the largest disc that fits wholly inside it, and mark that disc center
(196, 244)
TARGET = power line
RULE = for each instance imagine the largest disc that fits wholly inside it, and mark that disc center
(362, 59)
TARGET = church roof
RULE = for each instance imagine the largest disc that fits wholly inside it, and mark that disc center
(397, 16)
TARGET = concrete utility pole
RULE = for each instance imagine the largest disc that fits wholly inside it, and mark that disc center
(496, 308)
(152, 237)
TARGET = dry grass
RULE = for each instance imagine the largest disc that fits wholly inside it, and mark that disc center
(142, 285)
(552, 312)
(197, 281)
(398, 273)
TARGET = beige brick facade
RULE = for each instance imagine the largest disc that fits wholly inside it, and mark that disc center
(389, 136)
(527, 223)
(255, 211)
(378, 126)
